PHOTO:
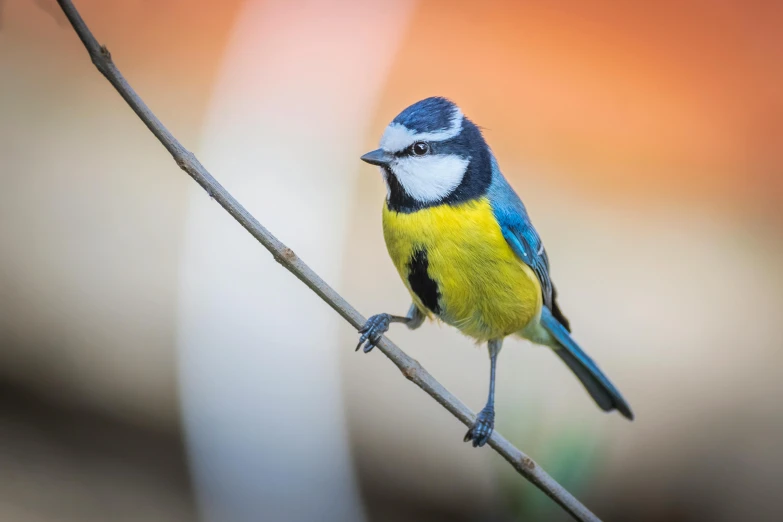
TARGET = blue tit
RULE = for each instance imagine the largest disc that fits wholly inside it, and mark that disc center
(466, 250)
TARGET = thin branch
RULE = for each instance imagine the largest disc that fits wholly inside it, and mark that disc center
(410, 368)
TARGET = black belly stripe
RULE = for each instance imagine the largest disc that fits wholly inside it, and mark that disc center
(421, 282)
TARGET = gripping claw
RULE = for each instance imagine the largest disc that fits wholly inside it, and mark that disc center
(372, 331)
(481, 430)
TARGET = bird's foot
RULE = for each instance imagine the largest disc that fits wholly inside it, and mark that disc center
(481, 430)
(373, 330)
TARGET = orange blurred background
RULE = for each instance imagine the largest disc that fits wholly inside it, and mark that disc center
(645, 140)
(668, 99)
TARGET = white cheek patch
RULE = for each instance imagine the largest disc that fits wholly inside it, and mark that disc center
(398, 137)
(429, 179)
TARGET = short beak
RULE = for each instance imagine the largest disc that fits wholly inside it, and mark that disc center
(377, 157)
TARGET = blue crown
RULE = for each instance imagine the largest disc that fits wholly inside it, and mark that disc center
(428, 115)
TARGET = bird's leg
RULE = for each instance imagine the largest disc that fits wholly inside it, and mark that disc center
(481, 430)
(378, 324)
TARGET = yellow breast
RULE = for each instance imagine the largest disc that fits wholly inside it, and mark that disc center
(481, 286)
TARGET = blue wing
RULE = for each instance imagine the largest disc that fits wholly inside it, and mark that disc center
(522, 237)
(526, 244)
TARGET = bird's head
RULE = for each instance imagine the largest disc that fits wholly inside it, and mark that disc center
(432, 154)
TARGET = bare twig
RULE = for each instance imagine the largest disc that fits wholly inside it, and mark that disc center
(410, 368)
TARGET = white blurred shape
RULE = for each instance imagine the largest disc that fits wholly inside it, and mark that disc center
(258, 351)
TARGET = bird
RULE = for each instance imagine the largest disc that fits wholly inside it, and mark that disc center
(466, 250)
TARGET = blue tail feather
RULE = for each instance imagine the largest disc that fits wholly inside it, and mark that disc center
(596, 383)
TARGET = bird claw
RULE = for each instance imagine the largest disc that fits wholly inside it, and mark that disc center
(482, 429)
(372, 331)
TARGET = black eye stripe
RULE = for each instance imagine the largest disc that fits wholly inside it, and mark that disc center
(408, 151)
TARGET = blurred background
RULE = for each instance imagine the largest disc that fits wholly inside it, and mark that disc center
(157, 364)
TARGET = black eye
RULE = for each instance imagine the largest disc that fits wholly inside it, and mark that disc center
(420, 148)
